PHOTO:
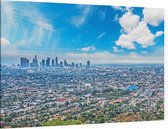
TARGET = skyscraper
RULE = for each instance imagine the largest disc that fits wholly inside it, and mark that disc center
(43, 62)
(35, 62)
(73, 64)
(24, 62)
(88, 64)
(48, 62)
(77, 65)
(61, 63)
(53, 62)
(80, 64)
(56, 61)
(65, 63)
(27, 63)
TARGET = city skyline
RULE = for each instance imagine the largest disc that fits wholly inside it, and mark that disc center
(49, 62)
(103, 34)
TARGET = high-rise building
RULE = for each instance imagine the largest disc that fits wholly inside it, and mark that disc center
(53, 62)
(88, 64)
(43, 62)
(65, 63)
(28, 63)
(80, 65)
(73, 64)
(34, 62)
(61, 63)
(56, 61)
(48, 62)
(24, 62)
(31, 65)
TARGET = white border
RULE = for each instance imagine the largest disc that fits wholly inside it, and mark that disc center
(134, 3)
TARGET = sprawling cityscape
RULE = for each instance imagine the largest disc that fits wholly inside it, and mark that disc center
(62, 94)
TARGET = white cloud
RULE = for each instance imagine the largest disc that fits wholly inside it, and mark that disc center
(4, 42)
(125, 41)
(123, 9)
(129, 21)
(86, 49)
(40, 28)
(129, 9)
(135, 31)
(140, 34)
(96, 55)
(8, 48)
(159, 33)
(7, 18)
(133, 55)
(77, 21)
(119, 8)
(101, 35)
(109, 58)
(116, 18)
(34, 16)
(115, 49)
(153, 16)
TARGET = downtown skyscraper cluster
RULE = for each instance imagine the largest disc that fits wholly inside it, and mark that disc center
(24, 62)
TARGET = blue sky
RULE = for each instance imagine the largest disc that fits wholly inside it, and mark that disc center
(102, 34)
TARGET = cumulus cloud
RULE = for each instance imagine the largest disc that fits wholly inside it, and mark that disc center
(135, 30)
(8, 48)
(159, 33)
(115, 49)
(86, 49)
(129, 21)
(79, 20)
(4, 42)
(140, 34)
(125, 41)
(153, 16)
